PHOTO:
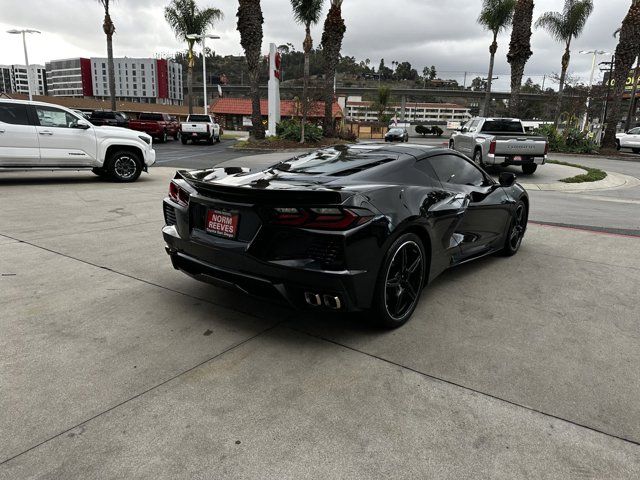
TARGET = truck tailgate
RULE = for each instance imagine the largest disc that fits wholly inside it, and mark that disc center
(194, 127)
(523, 146)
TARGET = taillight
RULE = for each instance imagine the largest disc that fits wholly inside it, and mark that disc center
(332, 218)
(546, 147)
(492, 147)
(178, 194)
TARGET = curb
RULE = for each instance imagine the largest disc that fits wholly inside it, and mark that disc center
(613, 181)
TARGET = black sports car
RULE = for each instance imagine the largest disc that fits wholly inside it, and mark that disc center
(347, 228)
(397, 135)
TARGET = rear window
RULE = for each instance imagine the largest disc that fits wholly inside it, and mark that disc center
(502, 126)
(14, 114)
(103, 115)
(157, 117)
(335, 161)
(199, 118)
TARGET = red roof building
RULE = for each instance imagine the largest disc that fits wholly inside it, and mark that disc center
(234, 113)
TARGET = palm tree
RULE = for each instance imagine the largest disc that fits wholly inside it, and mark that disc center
(564, 27)
(186, 18)
(109, 29)
(519, 50)
(250, 22)
(381, 103)
(307, 13)
(334, 29)
(496, 15)
(626, 53)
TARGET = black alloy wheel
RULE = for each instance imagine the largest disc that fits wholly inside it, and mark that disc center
(400, 281)
(516, 230)
(124, 166)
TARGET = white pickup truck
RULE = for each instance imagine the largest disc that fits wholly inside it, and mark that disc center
(200, 127)
(500, 141)
(38, 135)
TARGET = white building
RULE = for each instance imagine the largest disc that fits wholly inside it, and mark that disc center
(13, 79)
(144, 80)
(357, 109)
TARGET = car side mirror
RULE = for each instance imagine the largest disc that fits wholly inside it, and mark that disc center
(82, 125)
(463, 130)
(507, 179)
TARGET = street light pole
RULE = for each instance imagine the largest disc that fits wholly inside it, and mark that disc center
(595, 54)
(194, 36)
(26, 56)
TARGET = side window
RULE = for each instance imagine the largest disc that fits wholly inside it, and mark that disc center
(474, 125)
(54, 117)
(456, 170)
(425, 167)
(13, 113)
(634, 131)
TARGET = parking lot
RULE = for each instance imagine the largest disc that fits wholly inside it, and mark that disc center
(114, 365)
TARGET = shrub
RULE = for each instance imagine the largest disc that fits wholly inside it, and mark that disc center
(422, 130)
(291, 130)
(573, 141)
(437, 131)
(346, 134)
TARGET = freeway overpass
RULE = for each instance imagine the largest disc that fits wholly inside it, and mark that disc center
(426, 93)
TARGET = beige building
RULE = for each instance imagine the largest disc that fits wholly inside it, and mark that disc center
(356, 109)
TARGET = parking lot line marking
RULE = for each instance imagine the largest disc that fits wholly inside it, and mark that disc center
(154, 387)
(464, 387)
(612, 232)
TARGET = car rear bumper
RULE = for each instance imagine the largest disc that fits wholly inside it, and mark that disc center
(292, 285)
(510, 160)
(196, 135)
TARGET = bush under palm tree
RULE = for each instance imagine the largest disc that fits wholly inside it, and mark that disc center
(334, 30)
(109, 29)
(250, 22)
(496, 16)
(307, 13)
(626, 52)
(381, 103)
(519, 50)
(186, 18)
(564, 27)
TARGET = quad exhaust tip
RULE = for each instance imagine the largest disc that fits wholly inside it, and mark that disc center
(331, 302)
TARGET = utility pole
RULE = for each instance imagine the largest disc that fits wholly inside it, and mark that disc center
(606, 100)
(544, 79)
(595, 54)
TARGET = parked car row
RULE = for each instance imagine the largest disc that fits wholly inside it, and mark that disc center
(37, 135)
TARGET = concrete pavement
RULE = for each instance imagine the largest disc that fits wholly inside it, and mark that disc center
(113, 365)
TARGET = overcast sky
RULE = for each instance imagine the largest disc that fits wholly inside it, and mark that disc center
(425, 32)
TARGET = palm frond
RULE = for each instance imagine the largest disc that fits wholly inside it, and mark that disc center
(307, 12)
(496, 15)
(185, 18)
(568, 24)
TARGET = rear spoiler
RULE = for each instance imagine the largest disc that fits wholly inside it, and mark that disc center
(260, 194)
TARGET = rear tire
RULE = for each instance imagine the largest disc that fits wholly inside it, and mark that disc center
(529, 169)
(218, 139)
(124, 166)
(210, 140)
(477, 158)
(635, 150)
(618, 147)
(176, 136)
(184, 140)
(163, 137)
(400, 282)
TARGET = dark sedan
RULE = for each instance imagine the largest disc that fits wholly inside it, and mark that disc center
(348, 228)
(397, 135)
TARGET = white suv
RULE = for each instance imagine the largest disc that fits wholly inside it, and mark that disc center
(37, 135)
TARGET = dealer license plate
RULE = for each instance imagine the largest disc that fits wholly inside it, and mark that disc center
(517, 158)
(222, 224)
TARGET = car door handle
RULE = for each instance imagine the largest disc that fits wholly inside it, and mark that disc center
(46, 132)
(2, 130)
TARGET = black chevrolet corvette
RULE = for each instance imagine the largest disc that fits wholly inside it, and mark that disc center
(347, 228)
